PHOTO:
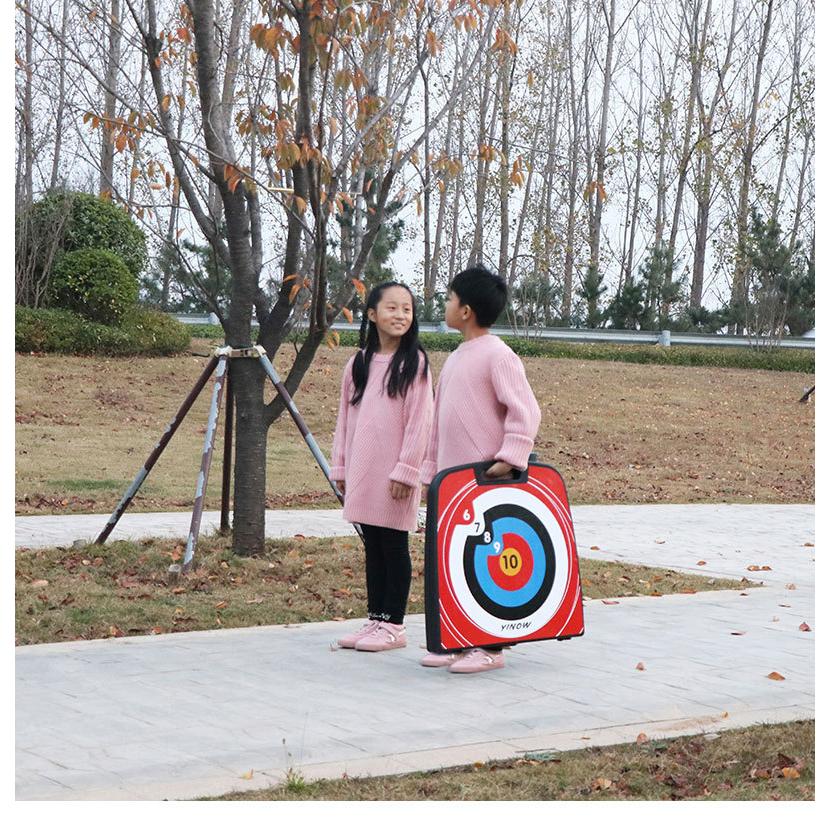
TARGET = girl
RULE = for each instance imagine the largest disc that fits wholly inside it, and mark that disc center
(382, 428)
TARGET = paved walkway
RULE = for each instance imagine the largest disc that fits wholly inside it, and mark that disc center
(191, 714)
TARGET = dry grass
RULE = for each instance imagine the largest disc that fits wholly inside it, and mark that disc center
(764, 762)
(617, 432)
(121, 590)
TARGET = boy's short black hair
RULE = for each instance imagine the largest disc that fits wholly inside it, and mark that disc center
(483, 291)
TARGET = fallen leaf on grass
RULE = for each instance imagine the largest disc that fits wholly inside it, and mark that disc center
(640, 666)
(609, 601)
(761, 774)
(248, 775)
(804, 627)
(156, 630)
(221, 605)
(790, 773)
(40, 583)
(642, 738)
(114, 630)
(179, 590)
(256, 600)
(602, 783)
(775, 675)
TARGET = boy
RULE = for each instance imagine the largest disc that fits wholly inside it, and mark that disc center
(484, 410)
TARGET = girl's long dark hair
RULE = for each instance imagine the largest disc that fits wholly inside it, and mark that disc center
(403, 368)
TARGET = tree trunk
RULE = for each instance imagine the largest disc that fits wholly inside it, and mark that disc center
(28, 125)
(601, 145)
(61, 102)
(696, 44)
(110, 91)
(738, 287)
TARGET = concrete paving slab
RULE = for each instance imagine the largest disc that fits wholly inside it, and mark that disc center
(192, 714)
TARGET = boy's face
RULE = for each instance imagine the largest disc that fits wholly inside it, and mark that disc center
(456, 315)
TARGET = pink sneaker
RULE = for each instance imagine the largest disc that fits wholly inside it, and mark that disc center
(477, 660)
(439, 660)
(384, 637)
(350, 639)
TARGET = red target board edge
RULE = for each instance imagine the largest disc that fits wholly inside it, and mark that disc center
(441, 635)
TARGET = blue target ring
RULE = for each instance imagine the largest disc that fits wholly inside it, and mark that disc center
(536, 560)
(484, 552)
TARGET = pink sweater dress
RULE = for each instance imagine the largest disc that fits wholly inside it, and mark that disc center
(380, 440)
(485, 409)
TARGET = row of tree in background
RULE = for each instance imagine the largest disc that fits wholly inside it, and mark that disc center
(605, 155)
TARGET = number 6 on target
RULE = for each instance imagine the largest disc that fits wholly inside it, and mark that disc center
(501, 564)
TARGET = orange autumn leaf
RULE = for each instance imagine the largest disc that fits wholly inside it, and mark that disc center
(348, 314)
(294, 292)
(640, 666)
(790, 773)
(804, 627)
(776, 676)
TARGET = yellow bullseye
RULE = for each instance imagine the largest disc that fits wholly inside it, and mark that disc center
(510, 561)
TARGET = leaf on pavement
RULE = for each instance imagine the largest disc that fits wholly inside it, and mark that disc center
(248, 775)
(738, 633)
(701, 562)
(642, 738)
(804, 627)
(776, 676)
(609, 601)
(640, 666)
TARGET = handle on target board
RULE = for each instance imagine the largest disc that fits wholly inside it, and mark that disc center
(518, 476)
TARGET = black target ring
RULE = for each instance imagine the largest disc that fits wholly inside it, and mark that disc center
(484, 601)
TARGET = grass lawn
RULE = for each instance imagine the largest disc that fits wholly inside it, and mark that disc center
(764, 762)
(618, 432)
(121, 590)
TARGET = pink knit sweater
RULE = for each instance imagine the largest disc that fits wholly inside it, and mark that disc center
(485, 409)
(380, 440)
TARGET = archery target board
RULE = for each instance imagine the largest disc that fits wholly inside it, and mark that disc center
(500, 561)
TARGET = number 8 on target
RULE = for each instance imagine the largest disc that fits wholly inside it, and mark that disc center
(501, 564)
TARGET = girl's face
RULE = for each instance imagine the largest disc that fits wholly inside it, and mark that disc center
(394, 312)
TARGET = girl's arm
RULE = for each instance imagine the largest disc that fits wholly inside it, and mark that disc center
(341, 430)
(523, 415)
(417, 421)
(429, 467)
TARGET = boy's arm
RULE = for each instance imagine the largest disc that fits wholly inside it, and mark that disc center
(338, 450)
(523, 415)
(417, 414)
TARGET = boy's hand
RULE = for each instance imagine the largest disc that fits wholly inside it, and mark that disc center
(499, 470)
(400, 491)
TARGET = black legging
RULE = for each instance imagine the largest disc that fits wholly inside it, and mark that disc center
(388, 573)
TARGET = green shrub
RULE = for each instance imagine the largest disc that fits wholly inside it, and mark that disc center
(94, 283)
(777, 359)
(94, 222)
(141, 332)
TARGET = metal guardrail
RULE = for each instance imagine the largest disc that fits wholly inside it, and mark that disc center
(583, 335)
